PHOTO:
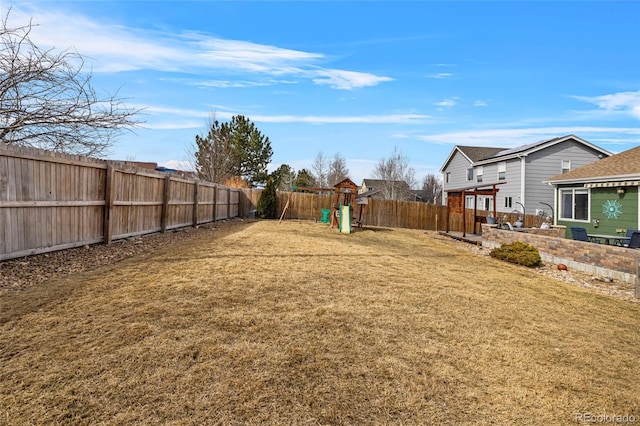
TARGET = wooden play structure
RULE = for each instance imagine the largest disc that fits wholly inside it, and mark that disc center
(343, 205)
(344, 196)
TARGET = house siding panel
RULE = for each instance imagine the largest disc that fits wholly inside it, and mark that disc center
(458, 168)
(509, 189)
(628, 219)
(544, 164)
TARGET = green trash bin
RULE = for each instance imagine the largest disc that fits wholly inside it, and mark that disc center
(325, 215)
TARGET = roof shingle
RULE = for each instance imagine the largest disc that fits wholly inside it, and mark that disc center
(477, 153)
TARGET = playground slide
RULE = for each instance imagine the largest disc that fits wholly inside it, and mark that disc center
(345, 219)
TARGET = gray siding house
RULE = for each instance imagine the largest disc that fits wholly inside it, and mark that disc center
(521, 172)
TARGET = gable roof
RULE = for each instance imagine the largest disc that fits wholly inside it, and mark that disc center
(346, 183)
(486, 155)
(478, 153)
(537, 146)
(625, 165)
(473, 154)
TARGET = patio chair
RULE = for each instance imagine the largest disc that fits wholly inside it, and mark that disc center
(634, 242)
(631, 231)
(579, 234)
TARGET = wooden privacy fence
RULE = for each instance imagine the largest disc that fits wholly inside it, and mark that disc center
(51, 201)
(385, 213)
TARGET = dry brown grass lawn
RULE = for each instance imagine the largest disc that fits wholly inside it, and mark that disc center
(293, 323)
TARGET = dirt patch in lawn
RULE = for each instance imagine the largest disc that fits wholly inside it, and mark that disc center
(273, 323)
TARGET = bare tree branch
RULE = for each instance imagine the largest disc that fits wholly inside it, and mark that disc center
(320, 170)
(397, 176)
(212, 152)
(47, 101)
(432, 189)
(337, 170)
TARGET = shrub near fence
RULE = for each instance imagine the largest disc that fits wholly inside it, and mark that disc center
(51, 201)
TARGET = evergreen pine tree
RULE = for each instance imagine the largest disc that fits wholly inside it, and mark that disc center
(266, 208)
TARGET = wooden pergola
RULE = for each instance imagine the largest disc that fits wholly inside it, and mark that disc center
(456, 202)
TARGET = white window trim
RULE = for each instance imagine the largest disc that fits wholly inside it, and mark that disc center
(468, 202)
(502, 167)
(560, 205)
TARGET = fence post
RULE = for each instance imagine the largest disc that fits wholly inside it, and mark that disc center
(165, 203)
(228, 203)
(195, 204)
(215, 203)
(109, 194)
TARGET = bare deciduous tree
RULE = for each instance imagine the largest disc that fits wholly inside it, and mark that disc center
(397, 175)
(211, 153)
(320, 170)
(432, 189)
(338, 170)
(47, 101)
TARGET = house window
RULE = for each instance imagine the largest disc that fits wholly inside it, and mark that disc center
(479, 173)
(469, 202)
(502, 171)
(447, 177)
(508, 202)
(566, 166)
(487, 203)
(470, 173)
(574, 204)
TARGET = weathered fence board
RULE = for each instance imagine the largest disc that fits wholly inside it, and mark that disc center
(52, 201)
(379, 212)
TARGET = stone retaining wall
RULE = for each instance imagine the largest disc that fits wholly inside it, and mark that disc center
(605, 260)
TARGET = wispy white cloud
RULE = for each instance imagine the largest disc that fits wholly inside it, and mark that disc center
(518, 136)
(195, 118)
(440, 75)
(115, 48)
(347, 80)
(172, 125)
(227, 84)
(362, 119)
(447, 103)
(480, 104)
(622, 102)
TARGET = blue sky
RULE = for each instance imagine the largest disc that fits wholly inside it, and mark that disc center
(358, 78)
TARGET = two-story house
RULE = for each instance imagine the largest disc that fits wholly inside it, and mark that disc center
(520, 171)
